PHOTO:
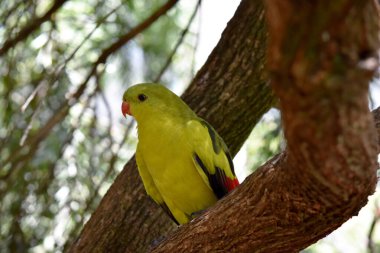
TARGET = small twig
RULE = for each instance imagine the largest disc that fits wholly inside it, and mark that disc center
(29, 126)
(136, 30)
(179, 42)
(371, 245)
(98, 23)
(31, 27)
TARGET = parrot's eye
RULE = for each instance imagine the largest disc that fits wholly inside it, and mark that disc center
(142, 97)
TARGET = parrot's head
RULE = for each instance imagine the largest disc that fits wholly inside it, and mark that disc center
(146, 100)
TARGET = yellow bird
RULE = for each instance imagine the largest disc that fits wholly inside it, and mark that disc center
(184, 164)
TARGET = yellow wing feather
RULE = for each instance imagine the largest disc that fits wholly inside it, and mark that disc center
(211, 157)
(147, 179)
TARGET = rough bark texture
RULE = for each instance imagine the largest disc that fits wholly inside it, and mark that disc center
(317, 57)
(376, 117)
(230, 92)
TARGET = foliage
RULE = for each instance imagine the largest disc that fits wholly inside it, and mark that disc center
(62, 139)
(265, 140)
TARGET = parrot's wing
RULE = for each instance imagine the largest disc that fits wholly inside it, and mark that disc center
(211, 157)
(149, 185)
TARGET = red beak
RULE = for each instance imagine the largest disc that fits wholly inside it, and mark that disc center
(125, 109)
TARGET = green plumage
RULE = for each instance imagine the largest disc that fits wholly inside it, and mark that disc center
(184, 164)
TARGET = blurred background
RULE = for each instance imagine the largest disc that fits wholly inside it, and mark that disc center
(63, 139)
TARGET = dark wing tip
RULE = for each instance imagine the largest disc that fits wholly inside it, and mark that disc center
(219, 182)
(216, 145)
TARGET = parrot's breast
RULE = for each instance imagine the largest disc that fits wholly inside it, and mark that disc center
(167, 151)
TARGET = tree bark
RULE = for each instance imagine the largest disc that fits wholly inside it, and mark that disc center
(376, 117)
(319, 57)
(230, 92)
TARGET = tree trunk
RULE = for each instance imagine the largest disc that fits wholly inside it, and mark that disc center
(320, 58)
(231, 93)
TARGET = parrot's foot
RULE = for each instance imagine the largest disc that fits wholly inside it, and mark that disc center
(157, 241)
(198, 213)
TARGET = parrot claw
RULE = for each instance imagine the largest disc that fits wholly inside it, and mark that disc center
(198, 213)
(157, 241)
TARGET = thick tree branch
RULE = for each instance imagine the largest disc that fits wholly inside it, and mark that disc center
(329, 168)
(30, 27)
(126, 219)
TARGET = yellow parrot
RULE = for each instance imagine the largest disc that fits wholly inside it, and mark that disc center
(184, 164)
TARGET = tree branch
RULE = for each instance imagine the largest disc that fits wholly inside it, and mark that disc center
(376, 117)
(31, 27)
(329, 168)
(122, 40)
(371, 245)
